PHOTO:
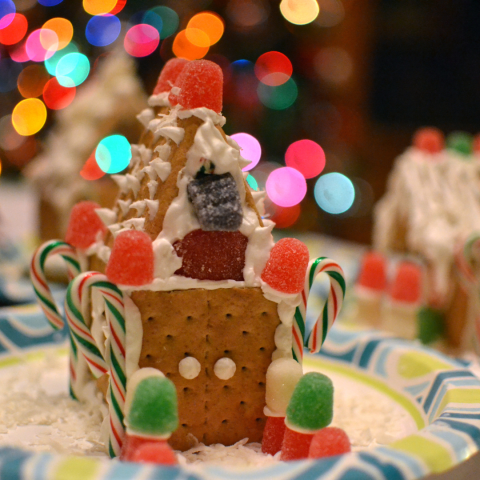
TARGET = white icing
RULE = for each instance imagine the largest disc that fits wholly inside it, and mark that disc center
(162, 168)
(151, 172)
(134, 336)
(174, 133)
(145, 116)
(224, 368)
(163, 151)
(121, 181)
(124, 205)
(152, 208)
(166, 260)
(133, 183)
(152, 188)
(139, 206)
(189, 368)
(159, 100)
(106, 215)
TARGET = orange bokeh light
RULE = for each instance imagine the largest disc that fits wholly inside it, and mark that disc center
(99, 7)
(207, 22)
(183, 48)
(31, 81)
(63, 28)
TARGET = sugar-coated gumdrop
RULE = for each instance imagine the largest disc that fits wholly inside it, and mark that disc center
(373, 272)
(169, 74)
(131, 260)
(283, 375)
(84, 226)
(407, 283)
(201, 85)
(212, 255)
(287, 265)
(273, 435)
(295, 445)
(311, 405)
(431, 325)
(460, 142)
(328, 442)
(154, 452)
(429, 139)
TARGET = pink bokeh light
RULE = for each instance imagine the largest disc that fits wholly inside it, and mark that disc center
(141, 40)
(41, 44)
(250, 149)
(286, 187)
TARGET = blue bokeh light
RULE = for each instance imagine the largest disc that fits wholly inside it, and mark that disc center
(102, 30)
(51, 63)
(49, 3)
(73, 67)
(113, 154)
(7, 13)
(334, 193)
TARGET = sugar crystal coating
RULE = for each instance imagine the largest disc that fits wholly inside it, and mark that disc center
(429, 139)
(283, 375)
(273, 435)
(154, 452)
(295, 445)
(328, 442)
(169, 74)
(287, 265)
(84, 226)
(212, 255)
(131, 261)
(311, 405)
(201, 85)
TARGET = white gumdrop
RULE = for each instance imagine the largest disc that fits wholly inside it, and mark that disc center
(224, 368)
(282, 377)
(189, 368)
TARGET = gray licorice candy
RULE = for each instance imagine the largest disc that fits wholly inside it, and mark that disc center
(216, 202)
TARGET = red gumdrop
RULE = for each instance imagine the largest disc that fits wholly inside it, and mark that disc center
(429, 139)
(131, 260)
(213, 255)
(169, 74)
(273, 435)
(84, 226)
(286, 268)
(155, 452)
(476, 143)
(407, 283)
(328, 442)
(295, 445)
(373, 272)
(201, 85)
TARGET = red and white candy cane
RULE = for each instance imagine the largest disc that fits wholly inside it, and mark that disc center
(77, 303)
(330, 310)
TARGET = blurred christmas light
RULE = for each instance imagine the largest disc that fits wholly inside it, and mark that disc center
(250, 149)
(141, 40)
(307, 157)
(91, 170)
(262, 171)
(31, 81)
(241, 66)
(72, 69)
(285, 217)
(99, 7)
(7, 13)
(14, 32)
(49, 3)
(102, 30)
(208, 22)
(23, 5)
(41, 45)
(154, 20)
(333, 64)
(286, 187)
(118, 7)
(62, 27)
(19, 53)
(183, 48)
(273, 68)
(10, 72)
(9, 138)
(332, 12)
(113, 154)
(198, 38)
(57, 96)
(170, 20)
(299, 12)
(278, 98)
(248, 13)
(51, 63)
(29, 116)
(252, 182)
(334, 193)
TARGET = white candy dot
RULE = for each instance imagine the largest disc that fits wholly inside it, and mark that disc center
(189, 368)
(224, 368)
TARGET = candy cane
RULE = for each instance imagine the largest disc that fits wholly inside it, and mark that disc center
(114, 364)
(330, 310)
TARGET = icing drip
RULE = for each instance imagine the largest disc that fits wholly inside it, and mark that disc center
(139, 206)
(152, 188)
(145, 116)
(133, 183)
(121, 181)
(162, 168)
(124, 205)
(152, 208)
(107, 215)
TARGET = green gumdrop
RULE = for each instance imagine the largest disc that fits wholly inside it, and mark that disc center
(461, 142)
(311, 405)
(431, 324)
(154, 408)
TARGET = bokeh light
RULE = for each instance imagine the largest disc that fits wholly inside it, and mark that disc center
(118, 7)
(62, 27)
(141, 40)
(273, 68)
(250, 149)
(29, 116)
(14, 32)
(285, 217)
(207, 22)
(278, 98)
(31, 81)
(72, 69)
(113, 154)
(57, 96)
(247, 13)
(41, 45)
(286, 187)
(154, 20)
(332, 12)
(10, 72)
(19, 53)
(299, 12)
(9, 138)
(334, 193)
(252, 182)
(183, 48)
(333, 64)
(102, 30)
(99, 7)
(170, 20)
(49, 3)
(7, 13)
(91, 170)
(307, 157)
(51, 63)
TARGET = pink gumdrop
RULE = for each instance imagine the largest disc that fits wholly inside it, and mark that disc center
(169, 74)
(84, 226)
(273, 435)
(287, 265)
(154, 452)
(407, 283)
(295, 445)
(307, 157)
(429, 139)
(373, 272)
(328, 442)
(131, 260)
(201, 85)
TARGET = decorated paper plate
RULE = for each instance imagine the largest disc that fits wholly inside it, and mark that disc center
(409, 412)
